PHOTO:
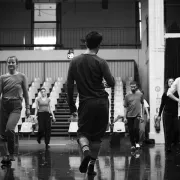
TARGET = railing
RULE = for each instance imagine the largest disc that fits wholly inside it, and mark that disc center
(113, 37)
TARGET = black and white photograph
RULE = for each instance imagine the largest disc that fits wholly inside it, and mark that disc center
(89, 89)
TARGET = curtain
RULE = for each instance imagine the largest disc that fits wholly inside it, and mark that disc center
(172, 58)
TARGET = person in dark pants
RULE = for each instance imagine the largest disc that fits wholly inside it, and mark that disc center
(42, 113)
(13, 87)
(88, 70)
(170, 116)
(143, 126)
(133, 114)
(175, 87)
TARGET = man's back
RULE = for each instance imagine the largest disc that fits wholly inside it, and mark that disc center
(88, 70)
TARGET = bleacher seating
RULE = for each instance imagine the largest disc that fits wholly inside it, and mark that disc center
(118, 96)
(34, 92)
(57, 93)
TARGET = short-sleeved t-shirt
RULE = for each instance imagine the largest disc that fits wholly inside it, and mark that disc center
(133, 102)
(43, 104)
(13, 85)
(146, 105)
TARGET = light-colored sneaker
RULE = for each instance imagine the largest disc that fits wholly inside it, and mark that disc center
(137, 146)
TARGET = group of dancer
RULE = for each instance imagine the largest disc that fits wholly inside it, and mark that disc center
(88, 71)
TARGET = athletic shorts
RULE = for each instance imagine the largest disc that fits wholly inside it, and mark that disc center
(93, 118)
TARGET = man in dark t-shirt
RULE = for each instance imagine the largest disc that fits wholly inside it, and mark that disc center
(89, 70)
(134, 112)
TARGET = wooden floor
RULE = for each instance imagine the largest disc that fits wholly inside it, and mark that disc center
(61, 162)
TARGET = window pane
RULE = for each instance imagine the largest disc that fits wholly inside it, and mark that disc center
(172, 16)
(44, 12)
(44, 33)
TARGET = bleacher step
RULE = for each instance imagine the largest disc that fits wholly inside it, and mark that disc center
(60, 126)
(65, 122)
(58, 130)
(59, 133)
(62, 113)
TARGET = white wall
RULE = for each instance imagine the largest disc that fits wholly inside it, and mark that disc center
(38, 64)
(156, 64)
(108, 54)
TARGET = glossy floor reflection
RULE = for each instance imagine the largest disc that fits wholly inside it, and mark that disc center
(61, 162)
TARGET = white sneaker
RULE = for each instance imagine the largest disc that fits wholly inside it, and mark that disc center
(137, 145)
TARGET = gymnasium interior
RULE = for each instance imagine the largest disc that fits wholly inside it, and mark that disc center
(141, 42)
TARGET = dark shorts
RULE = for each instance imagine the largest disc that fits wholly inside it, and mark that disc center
(93, 118)
(10, 114)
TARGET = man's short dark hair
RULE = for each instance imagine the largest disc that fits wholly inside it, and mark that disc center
(133, 83)
(93, 39)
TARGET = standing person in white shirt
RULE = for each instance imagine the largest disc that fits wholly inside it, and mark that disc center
(169, 107)
(175, 87)
(143, 124)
